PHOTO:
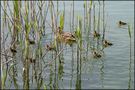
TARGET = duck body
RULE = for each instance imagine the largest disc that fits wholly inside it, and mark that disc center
(96, 34)
(50, 47)
(31, 41)
(13, 50)
(65, 37)
(96, 55)
(122, 23)
(107, 43)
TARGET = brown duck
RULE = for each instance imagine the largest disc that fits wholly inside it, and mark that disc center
(96, 55)
(50, 47)
(96, 34)
(107, 43)
(13, 50)
(122, 23)
(65, 37)
(31, 41)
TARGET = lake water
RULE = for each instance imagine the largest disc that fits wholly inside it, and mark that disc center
(114, 71)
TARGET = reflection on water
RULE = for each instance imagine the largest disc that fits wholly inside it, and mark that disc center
(130, 79)
(102, 73)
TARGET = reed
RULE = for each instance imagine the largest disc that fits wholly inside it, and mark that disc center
(94, 23)
(103, 21)
(89, 27)
(98, 25)
(129, 31)
(84, 23)
(4, 70)
(26, 51)
(130, 58)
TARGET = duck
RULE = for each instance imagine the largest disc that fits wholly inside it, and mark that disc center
(13, 47)
(122, 23)
(32, 60)
(96, 34)
(107, 43)
(65, 37)
(31, 41)
(13, 50)
(50, 47)
(96, 55)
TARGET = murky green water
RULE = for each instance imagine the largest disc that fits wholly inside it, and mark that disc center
(115, 70)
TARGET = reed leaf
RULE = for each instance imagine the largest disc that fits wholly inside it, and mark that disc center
(129, 31)
(62, 20)
(4, 77)
(16, 8)
(45, 87)
(90, 3)
(84, 5)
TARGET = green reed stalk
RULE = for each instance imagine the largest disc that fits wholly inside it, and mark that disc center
(73, 17)
(94, 26)
(130, 60)
(55, 41)
(15, 35)
(72, 29)
(78, 34)
(129, 31)
(103, 21)
(84, 25)
(51, 11)
(98, 26)
(89, 27)
(26, 54)
(44, 22)
(16, 20)
(52, 19)
(57, 12)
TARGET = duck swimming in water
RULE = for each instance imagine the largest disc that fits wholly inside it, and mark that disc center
(13, 47)
(122, 23)
(13, 50)
(107, 43)
(96, 55)
(50, 47)
(65, 37)
(31, 41)
(96, 34)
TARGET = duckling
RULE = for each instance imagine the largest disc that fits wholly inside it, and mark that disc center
(96, 34)
(66, 37)
(122, 23)
(13, 50)
(13, 47)
(31, 41)
(50, 47)
(32, 60)
(107, 43)
(96, 55)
